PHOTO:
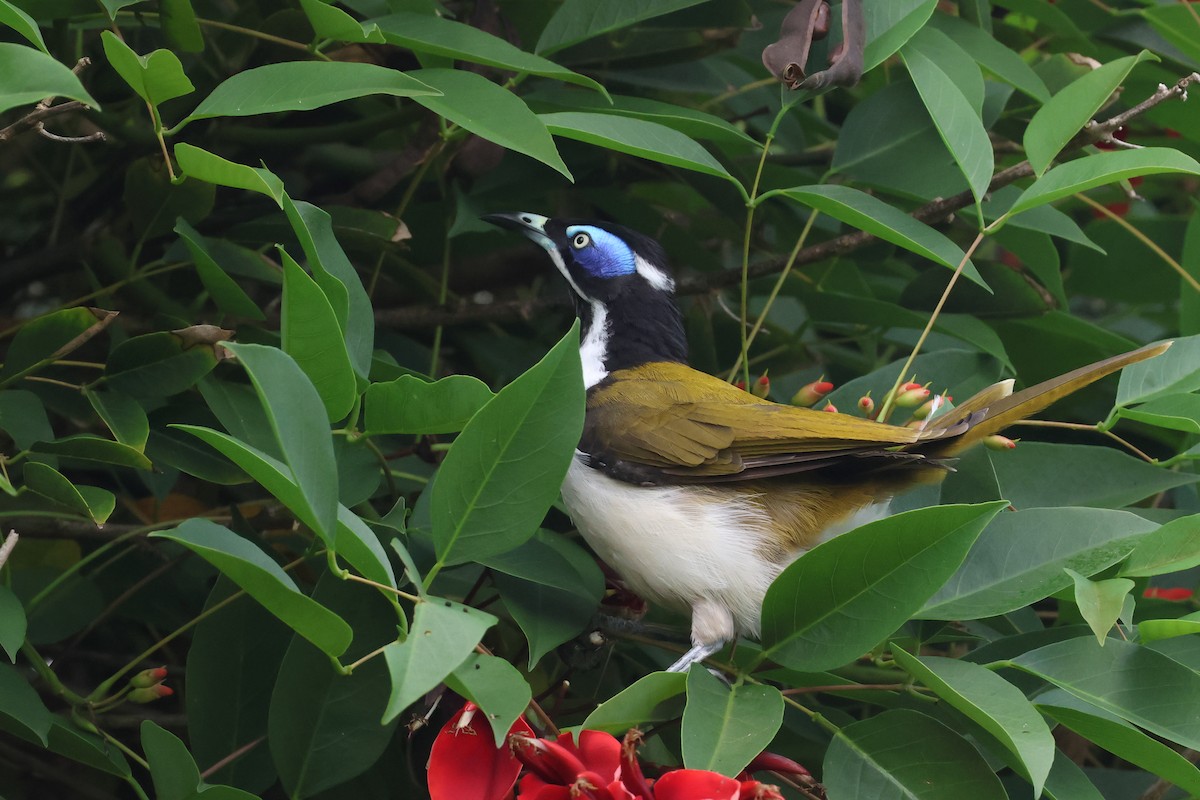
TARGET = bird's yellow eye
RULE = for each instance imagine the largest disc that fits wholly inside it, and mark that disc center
(581, 241)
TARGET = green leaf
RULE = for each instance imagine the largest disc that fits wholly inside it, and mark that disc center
(1139, 685)
(1176, 371)
(172, 769)
(1154, 630)
(354, 540)
(956, 121)
(1128, 743)
(428, 33)
(330, 22)
(992, 55)
(957, 64)
(1056, 122)
(841, 598)
(226, 293)
(1100, 602)
(23, 418)
(96, 504)
(301, 428)
(492, 112)
(313, 338)
(19, 702)
(164, 363)
(1101, 168)
(1172, 548)
(495, 686)
(552, 560)
(637, 137)
(1178, 412)
(44, 339)
(12, 623)
(205, 166)
(411, 405)
(1174, 23)
(323, 727)
(264, 580)
(1021, 556)
(890, 25)
(303, 86)
(180, 27)
(31, 76)
(506, 467)
(725, 727)
(903, 754)
(656, 697)
(576, 21)
(157, 77)
(123, 416)
(995, 704)
(22, 23)
(67, 740)
(83, 447)
(441, 637)
(870, 214)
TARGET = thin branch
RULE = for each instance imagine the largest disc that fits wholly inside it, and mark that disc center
(236, 754)
(10, 543)
(1079, 426)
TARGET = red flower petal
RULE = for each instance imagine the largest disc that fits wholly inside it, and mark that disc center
(695, 784)
(465, 763)
(1162, 593)
(600, 752)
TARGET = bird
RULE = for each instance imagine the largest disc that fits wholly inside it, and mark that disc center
(697, 492)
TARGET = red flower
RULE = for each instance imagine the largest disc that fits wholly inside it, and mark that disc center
(696, 784)
(465, 763)
(1173, 593)
(561, 770)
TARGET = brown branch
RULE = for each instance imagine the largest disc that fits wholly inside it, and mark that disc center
(43, 110)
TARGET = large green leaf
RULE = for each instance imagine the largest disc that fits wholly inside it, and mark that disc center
(1071, 108)
(175, 774)
(841, 598)
(264, 580)
(123, 415)
(492, 112)
(903, 755)
(44, 339)
(995, 704)
(31, 76)
(725, 727)
(225, 291)
(411, 405)
(992, 55)
(579, 20)
(90, 501)
(206, 166)
(1021, 558)
(889, 25)
(1178, 412)
(506, 467)
(84, 447)
(1136, 683)
(1176, 371)
(164, 363)
(20, 703)
(1172, 548)
(13, 623)
(653, 698)
(22, 23)
(157, 77)
(688, 121)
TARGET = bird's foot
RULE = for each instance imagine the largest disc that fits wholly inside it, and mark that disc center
(699, 652)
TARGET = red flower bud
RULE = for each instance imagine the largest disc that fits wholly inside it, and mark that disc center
(911, 398)
(830, 407)
(761, 387)
(1163, 593)
(998, 442)
(866, 404)
(929, 407)
(149, 694)
(740, 384)
(811, 393)
(148, 677)
(776, 763)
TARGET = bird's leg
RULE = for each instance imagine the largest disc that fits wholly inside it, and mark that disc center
(712, 627)
(699, 652)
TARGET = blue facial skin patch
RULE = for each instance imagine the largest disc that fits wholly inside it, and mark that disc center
(606, 255)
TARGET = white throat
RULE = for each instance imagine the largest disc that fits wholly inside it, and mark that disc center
(594, 348)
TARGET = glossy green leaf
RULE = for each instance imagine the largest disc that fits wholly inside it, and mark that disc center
(992, 55)
(844, 596)
(23, 418)
(164, 363)
(948, 56)
(576, 21)
(870, 214)
(637, 137)
(175, 774)
(31, 76)
(303, 86)
(96, 504)
(156, 77)
(180, 27)
(725, 727)
(428, 33)
(313, 338)
(1136, 683)
(323, 727)
(688, 121)
(903, 755)
(12, 623)
(300, 425)
(495, 686)
(1155, 630)
(956, 122)
(1056, 122)
(653, 698)
(995, 704)
(1101, 168)
(1172, 548)
(1100, 602)
(492, 112)
(411, 405)
(226, 293)
(22, 23)
(83, 447)
(552, 560)
(44, 339)
(123, 416)
(1174, 22)
(1176, 371)
(1179, 412)
(264, 580)
(441, 637)
(68, 740)
(506, 467)
(1022, 555)
(205, 166)
(330, 22)
(890, 25)
(354, 541)
(1128, 743)
(20, 702)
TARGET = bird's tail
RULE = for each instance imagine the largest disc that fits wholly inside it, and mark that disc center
(997, 407)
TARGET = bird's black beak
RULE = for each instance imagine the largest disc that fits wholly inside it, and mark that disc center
(531, 225)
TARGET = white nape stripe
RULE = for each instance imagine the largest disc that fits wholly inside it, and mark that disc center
(653, 275)
(594, 348)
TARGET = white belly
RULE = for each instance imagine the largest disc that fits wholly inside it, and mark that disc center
(679, 547)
